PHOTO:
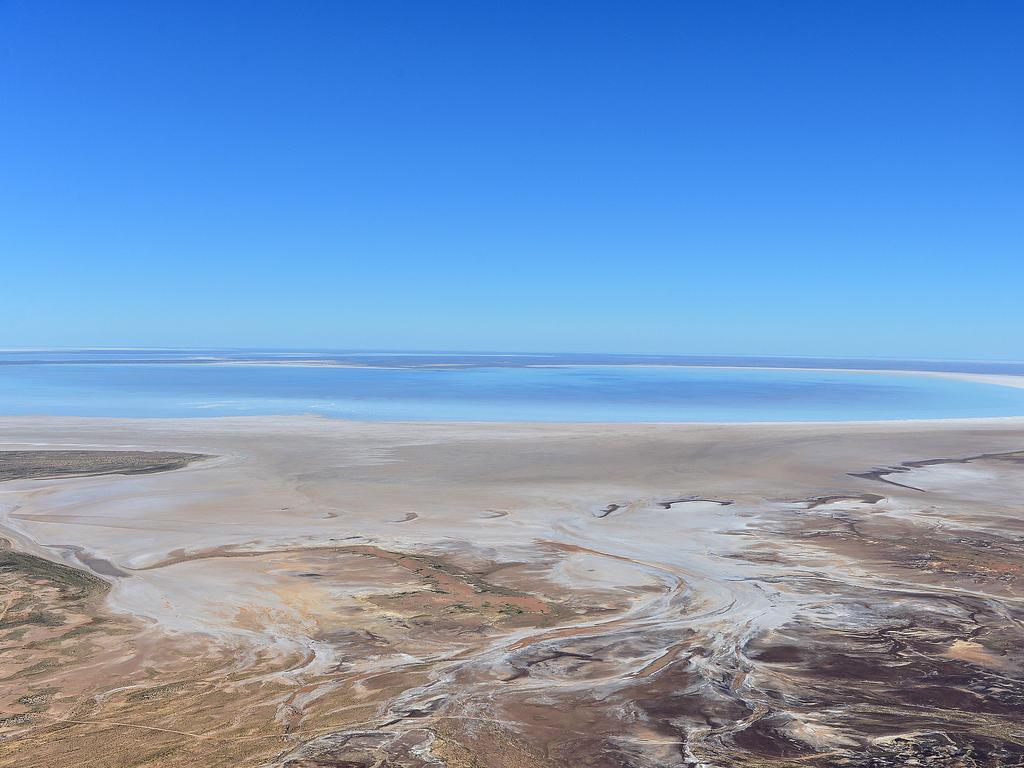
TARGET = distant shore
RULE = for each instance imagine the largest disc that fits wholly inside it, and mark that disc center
(1006, 380)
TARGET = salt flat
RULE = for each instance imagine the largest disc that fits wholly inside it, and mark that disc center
(313, 592)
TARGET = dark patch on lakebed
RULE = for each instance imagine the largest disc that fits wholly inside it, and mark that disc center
(37, 465)
(881, 474)
(72, 583)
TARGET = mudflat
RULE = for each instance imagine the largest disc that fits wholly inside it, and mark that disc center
(308, 592)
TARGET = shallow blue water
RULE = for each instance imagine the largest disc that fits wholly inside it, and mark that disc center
(484, 389)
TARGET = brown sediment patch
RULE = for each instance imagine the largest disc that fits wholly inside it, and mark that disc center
(974, 652)
(54, 464)
(451, 590)
(177, 556)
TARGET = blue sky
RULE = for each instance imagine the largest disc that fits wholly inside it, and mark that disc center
(797, 177)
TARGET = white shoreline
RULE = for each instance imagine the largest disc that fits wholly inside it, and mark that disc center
(1005, 422)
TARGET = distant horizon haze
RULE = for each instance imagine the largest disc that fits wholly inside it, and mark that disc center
(484, 352)
(300, 354)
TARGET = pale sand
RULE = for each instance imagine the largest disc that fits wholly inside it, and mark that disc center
(579, 591)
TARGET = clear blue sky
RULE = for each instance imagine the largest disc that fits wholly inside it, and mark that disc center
(797, 177)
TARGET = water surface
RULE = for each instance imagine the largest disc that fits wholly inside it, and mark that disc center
(419, 387)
